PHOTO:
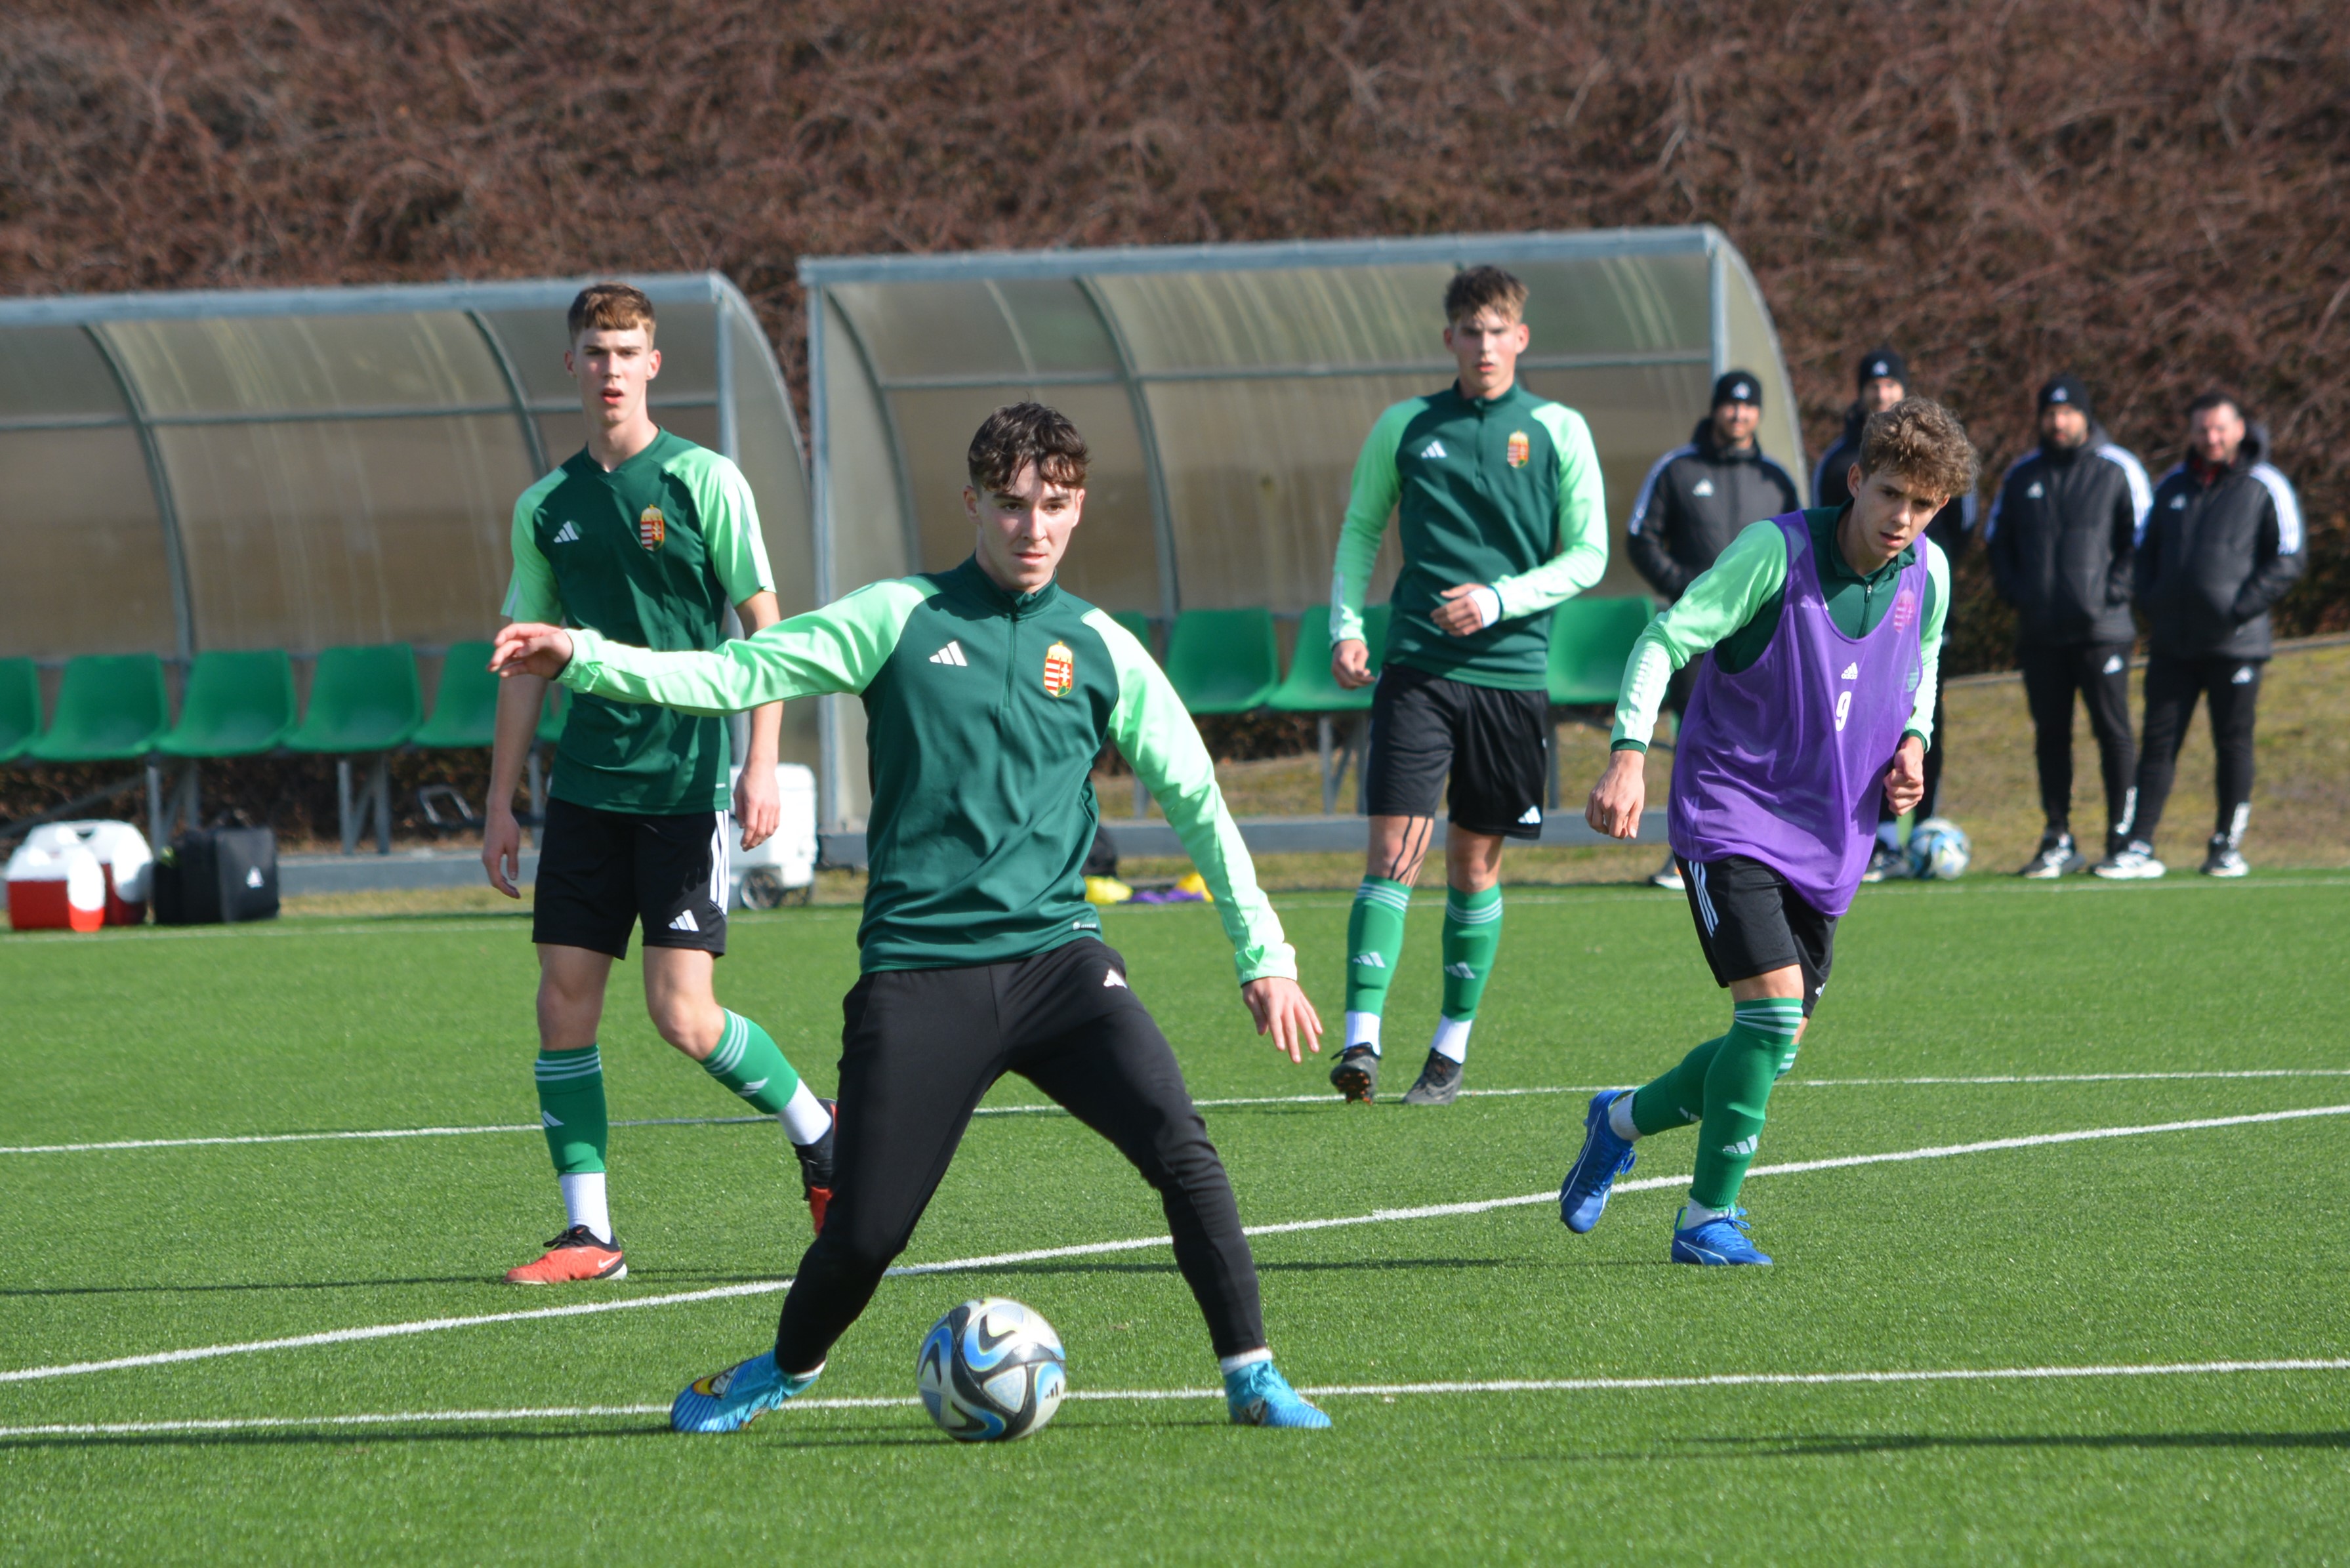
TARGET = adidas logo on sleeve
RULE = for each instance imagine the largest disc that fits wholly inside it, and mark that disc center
(1433, 449)
(951, 654)
(567, 534)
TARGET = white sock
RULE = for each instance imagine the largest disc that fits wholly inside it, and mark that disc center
(1363, 1029)
(1619, 1118)
(1451, 1038)
(583, 1200)
(1228, 1364)
(804, 1116)
(1694, 1214)
(1888, 834)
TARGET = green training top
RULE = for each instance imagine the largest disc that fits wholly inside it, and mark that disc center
(1504, 492)
(984, 712)
(1733, 607)
(650, 554)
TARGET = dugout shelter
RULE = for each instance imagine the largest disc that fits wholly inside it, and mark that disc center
(292, 471)
(1225, 391)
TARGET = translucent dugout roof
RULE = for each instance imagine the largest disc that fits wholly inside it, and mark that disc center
(301, 468)
(1225, 391)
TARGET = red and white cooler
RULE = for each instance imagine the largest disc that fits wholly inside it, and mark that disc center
(56, 890)
(124, 863)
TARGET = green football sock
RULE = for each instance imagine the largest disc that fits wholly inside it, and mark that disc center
(749, 1062)
(571, 1109)
(1678, 1098)
(1472, 934)
(1737, 1089)
(1373, 943)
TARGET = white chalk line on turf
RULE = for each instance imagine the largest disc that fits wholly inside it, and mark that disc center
(1322, 1099)
(1130, 1244)
(1106, 1395)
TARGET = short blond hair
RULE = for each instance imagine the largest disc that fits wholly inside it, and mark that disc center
(1923, 442)
(611, 307)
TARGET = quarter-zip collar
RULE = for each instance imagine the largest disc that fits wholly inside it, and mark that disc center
(1017, 607)
(1514, 393)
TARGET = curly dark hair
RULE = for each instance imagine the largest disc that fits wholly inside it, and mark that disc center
(1924, 442)
(1018, 435)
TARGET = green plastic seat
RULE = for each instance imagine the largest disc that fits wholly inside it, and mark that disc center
(236, 704)
(552, 712)
(1138, 623)
(465, 709)
(361, 699)
(20, 707)
(111, 707)
(1308, 687)
(1589, 641)
(1223, 660)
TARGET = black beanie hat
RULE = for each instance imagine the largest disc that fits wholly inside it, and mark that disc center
(1882, 362)
(2065, 389)
(1737, 387)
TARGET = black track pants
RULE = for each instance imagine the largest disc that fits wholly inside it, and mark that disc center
(2100, 673)
(2172, 685)
(920, 1049)
(1927, 801)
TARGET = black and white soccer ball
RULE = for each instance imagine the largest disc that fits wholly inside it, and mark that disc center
(1938, 850)
(990, 1371)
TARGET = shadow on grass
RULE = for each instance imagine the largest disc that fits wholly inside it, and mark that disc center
(792, 1433)
(1832, 1444)
(636, 1277)
(1348, 1266)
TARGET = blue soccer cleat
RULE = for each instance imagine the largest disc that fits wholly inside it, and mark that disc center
(1717, 1242)
(1583, 1195)
(732, 1399)
(1258, 1395)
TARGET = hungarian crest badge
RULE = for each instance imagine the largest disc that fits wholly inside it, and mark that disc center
(1522, 449)
(652, 529)
(1060, 670)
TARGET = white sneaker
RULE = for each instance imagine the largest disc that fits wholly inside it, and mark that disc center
(2136, 863)
(2225, 861)
(2055, 857)
(1669, 876)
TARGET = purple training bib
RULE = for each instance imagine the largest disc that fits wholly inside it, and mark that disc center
(1784, 760)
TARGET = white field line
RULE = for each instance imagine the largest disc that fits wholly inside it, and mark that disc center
(1322, 1391)
(1130, 1244)
(1322, 1099)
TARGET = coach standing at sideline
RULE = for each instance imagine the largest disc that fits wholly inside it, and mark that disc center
(1694, 502)
(2222, 544)
(2063, 539)
(1882, 380)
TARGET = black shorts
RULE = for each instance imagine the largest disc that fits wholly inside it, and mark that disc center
(1750, 922)
(1494, 743)
(599, 872)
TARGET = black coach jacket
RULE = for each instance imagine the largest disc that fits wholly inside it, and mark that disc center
(2217, 553)
(2063, 539)
(1692, 505)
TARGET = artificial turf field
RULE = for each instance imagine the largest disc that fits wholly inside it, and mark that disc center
(2198, 1245)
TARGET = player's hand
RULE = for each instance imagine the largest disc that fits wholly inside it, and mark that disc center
(758, 805)
(1905, 781)
(1281, 1010)
(1620, 796)
(502, 849)
(527, 648)
(1459, 616)
(1350, 664)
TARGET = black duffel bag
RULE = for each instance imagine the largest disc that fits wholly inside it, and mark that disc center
(216, 875)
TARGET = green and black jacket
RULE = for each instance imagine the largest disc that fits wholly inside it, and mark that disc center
(985, 712)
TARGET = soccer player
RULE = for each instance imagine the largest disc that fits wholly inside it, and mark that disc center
(1883, 378)
(1498, 500)
(1693, 503)
(1819, 633)
(2224, 542)
(646, 537)
(989, 691)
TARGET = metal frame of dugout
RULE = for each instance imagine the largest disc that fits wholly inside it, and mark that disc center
(310, 467)
(1225, 391)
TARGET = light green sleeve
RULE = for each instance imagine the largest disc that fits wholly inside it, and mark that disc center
(1156, 736)
(1718, 601)
(1929, 632)
(1368, 505)
(1581, 559)
(839, 647)
(730, 522)
(530, 592)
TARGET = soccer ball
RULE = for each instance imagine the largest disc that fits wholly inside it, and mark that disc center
(990, 1371)
(1938, 850)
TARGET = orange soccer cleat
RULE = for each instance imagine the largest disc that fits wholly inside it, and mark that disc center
(576, 1254)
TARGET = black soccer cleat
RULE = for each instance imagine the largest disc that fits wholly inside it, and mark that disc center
(1438, 1084)
(1357, 1076)
(815, 1167)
